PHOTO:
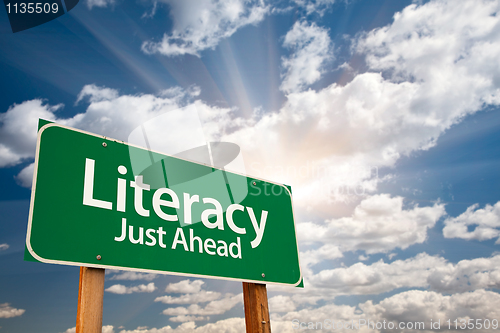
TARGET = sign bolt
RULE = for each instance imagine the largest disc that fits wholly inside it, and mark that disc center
(255, 183)
(104, 144)
(263, 275)
(263, 322)
(98, 257)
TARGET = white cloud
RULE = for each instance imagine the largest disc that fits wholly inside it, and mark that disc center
(329, 144)
(283, 323)
(108, 114)
(412, 306)
(121, 289)
(230, 325)
(18, 130)
(99, 3)
(315, 6)
(421, 271)
(25, 177)
(97, 94)
(183, 318)
(4, 246)
(422, 306)
(435, 64)
(186, 327)
(376, 278)
(132, 276)
(6, 311)
(439, 42)
(193, 295)
(281, 303)
(185, 287)
(340, 134)
(378, 224)
(466, 275)
(200, 25)
(116, 116)
(311, 47)
(152, 12)
(105, 329)
(486, 221)
(198, 297)
(312, 257)
(213, 308)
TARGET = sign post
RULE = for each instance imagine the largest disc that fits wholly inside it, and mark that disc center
(256, 308)
(102, 203)
(90, 300)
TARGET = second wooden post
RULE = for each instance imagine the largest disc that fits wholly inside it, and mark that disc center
(256, 308)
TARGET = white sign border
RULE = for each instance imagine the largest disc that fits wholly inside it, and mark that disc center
(71, 263)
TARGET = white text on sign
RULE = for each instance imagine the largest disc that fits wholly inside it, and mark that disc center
(209, 245)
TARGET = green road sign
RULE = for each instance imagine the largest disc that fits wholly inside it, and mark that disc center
(100, 202)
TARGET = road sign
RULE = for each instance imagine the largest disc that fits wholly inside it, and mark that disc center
(92, 206)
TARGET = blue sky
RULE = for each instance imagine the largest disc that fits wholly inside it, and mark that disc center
(381, 115)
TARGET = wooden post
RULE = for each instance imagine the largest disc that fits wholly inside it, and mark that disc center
(90, 296)
(256, 308)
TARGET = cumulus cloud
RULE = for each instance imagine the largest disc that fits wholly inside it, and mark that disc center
(105, 329)
(193, 294)
(186, 327)
(109, 114)
(6, 311)
(4, 246)
(231, 325)
(183, 318)
(117, 115)
(421, 271)
(25, 177)
(132, 276)
(198, 297)
(310, 258)
(99, 3)
(486, 222)
(414, 306)
(435, 64)
(422, 306)
(466, 275)
(121, 289)
(200, 25)
(378, 224)
(315, 6)
(185, 286)
(96, 94)
(18, 130)
(216, 307)
(378, 277)
(281, 303)
(431, 67)
(311, 50)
